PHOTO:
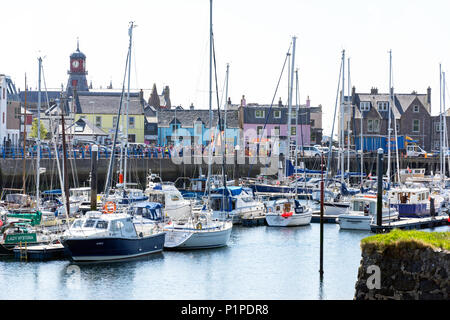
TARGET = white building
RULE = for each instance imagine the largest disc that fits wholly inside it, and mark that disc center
(10, 112)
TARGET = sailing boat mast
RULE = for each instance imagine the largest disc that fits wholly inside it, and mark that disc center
(389, 120)
(130, 33)
(24, 136)
(290, 98)
(210, 102)
(391, 102)
(341, 133)
(348, 120)
(38, 142)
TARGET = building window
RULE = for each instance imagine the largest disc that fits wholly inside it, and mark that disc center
(383, 106)
(293, 114)
(98, 121)
(437, 126)
(259, 113)
(313, 122)
(376, 125)
(276, 131)
(370, 125)
(416, 108)
(259, 130)
(398, 126)
(277, 114)
(364, 106)
(114, 122)
(131, 122)
(131, 138)
(436, 144)
(416, 125)
(293, 131)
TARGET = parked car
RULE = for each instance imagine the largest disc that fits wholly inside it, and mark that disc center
(310, 151)
(414, 150)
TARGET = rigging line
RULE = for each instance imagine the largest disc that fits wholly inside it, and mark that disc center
(330, 144)
(271, 104)
(221, 129)
(111, 161)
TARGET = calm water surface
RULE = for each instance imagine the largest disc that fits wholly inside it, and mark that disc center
(258, 263)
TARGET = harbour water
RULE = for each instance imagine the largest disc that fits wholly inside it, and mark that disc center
(259, 263)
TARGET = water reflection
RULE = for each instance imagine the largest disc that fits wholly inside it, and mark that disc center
(258, 263)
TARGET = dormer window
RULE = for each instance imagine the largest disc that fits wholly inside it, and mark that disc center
(259, 113)
(364, 106)
(277, 114)
(416, 108)
(383, 106)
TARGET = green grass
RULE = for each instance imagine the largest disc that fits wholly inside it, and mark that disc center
(407, 239)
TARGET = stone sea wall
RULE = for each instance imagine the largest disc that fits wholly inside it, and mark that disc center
(403, 272)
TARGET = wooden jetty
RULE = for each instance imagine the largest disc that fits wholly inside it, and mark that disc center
(412, 223)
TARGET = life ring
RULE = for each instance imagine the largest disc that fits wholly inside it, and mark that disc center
(109, 207)
(198, 226)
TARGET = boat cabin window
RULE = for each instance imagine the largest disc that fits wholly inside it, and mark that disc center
(363, 206)
(233, 204)
(216, 204)
(77, 224)
(116, 225)
(287, 207)
(89, 223)
(247, 199)
(174, 197)
(102, 224)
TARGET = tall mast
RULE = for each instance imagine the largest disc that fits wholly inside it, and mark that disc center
(444, 117)
(391, 114)
(210, 100)
(296, 133)
(389, 120)
(290, 97)
(341, 133)
(225, 121)
(442, 157)
(24, 136)
(348, 120)
(130, 33)
(38, 158)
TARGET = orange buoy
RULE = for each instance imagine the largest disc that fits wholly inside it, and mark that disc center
(120, 177)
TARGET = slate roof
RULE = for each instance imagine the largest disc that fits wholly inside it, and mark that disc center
(401, 103)
(107, 103)
(188, 117)
(88, 128)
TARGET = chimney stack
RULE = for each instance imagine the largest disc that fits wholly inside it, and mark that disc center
(191, 107)
(374, 90)
(429, 95)
(308, 102)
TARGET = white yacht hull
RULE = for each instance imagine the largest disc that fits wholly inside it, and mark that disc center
(361, 222)
(276, 220)
(190, 238)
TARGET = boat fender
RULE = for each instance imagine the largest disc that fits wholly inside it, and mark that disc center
(198, 226)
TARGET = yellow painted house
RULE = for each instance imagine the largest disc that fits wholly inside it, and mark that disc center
(101, 109)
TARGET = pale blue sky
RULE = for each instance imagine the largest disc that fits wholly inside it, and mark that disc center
(171, 45)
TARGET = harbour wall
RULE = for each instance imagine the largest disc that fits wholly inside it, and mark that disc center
(407, 272)
(11, 170)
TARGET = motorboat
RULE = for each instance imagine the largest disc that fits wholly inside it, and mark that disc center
(236, 203)
(363, 212)
(100, 236)
(411, 200)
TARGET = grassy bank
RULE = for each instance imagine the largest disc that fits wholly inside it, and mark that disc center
(407, 239)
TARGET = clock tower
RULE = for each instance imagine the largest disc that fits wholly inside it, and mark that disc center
(77, 72)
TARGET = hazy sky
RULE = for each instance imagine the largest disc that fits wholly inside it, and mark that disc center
(171, 45)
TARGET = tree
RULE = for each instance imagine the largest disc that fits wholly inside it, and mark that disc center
(34, 130)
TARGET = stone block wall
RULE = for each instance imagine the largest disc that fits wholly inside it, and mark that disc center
(406, 272)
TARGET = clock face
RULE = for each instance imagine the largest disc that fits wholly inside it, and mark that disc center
(75, 63)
